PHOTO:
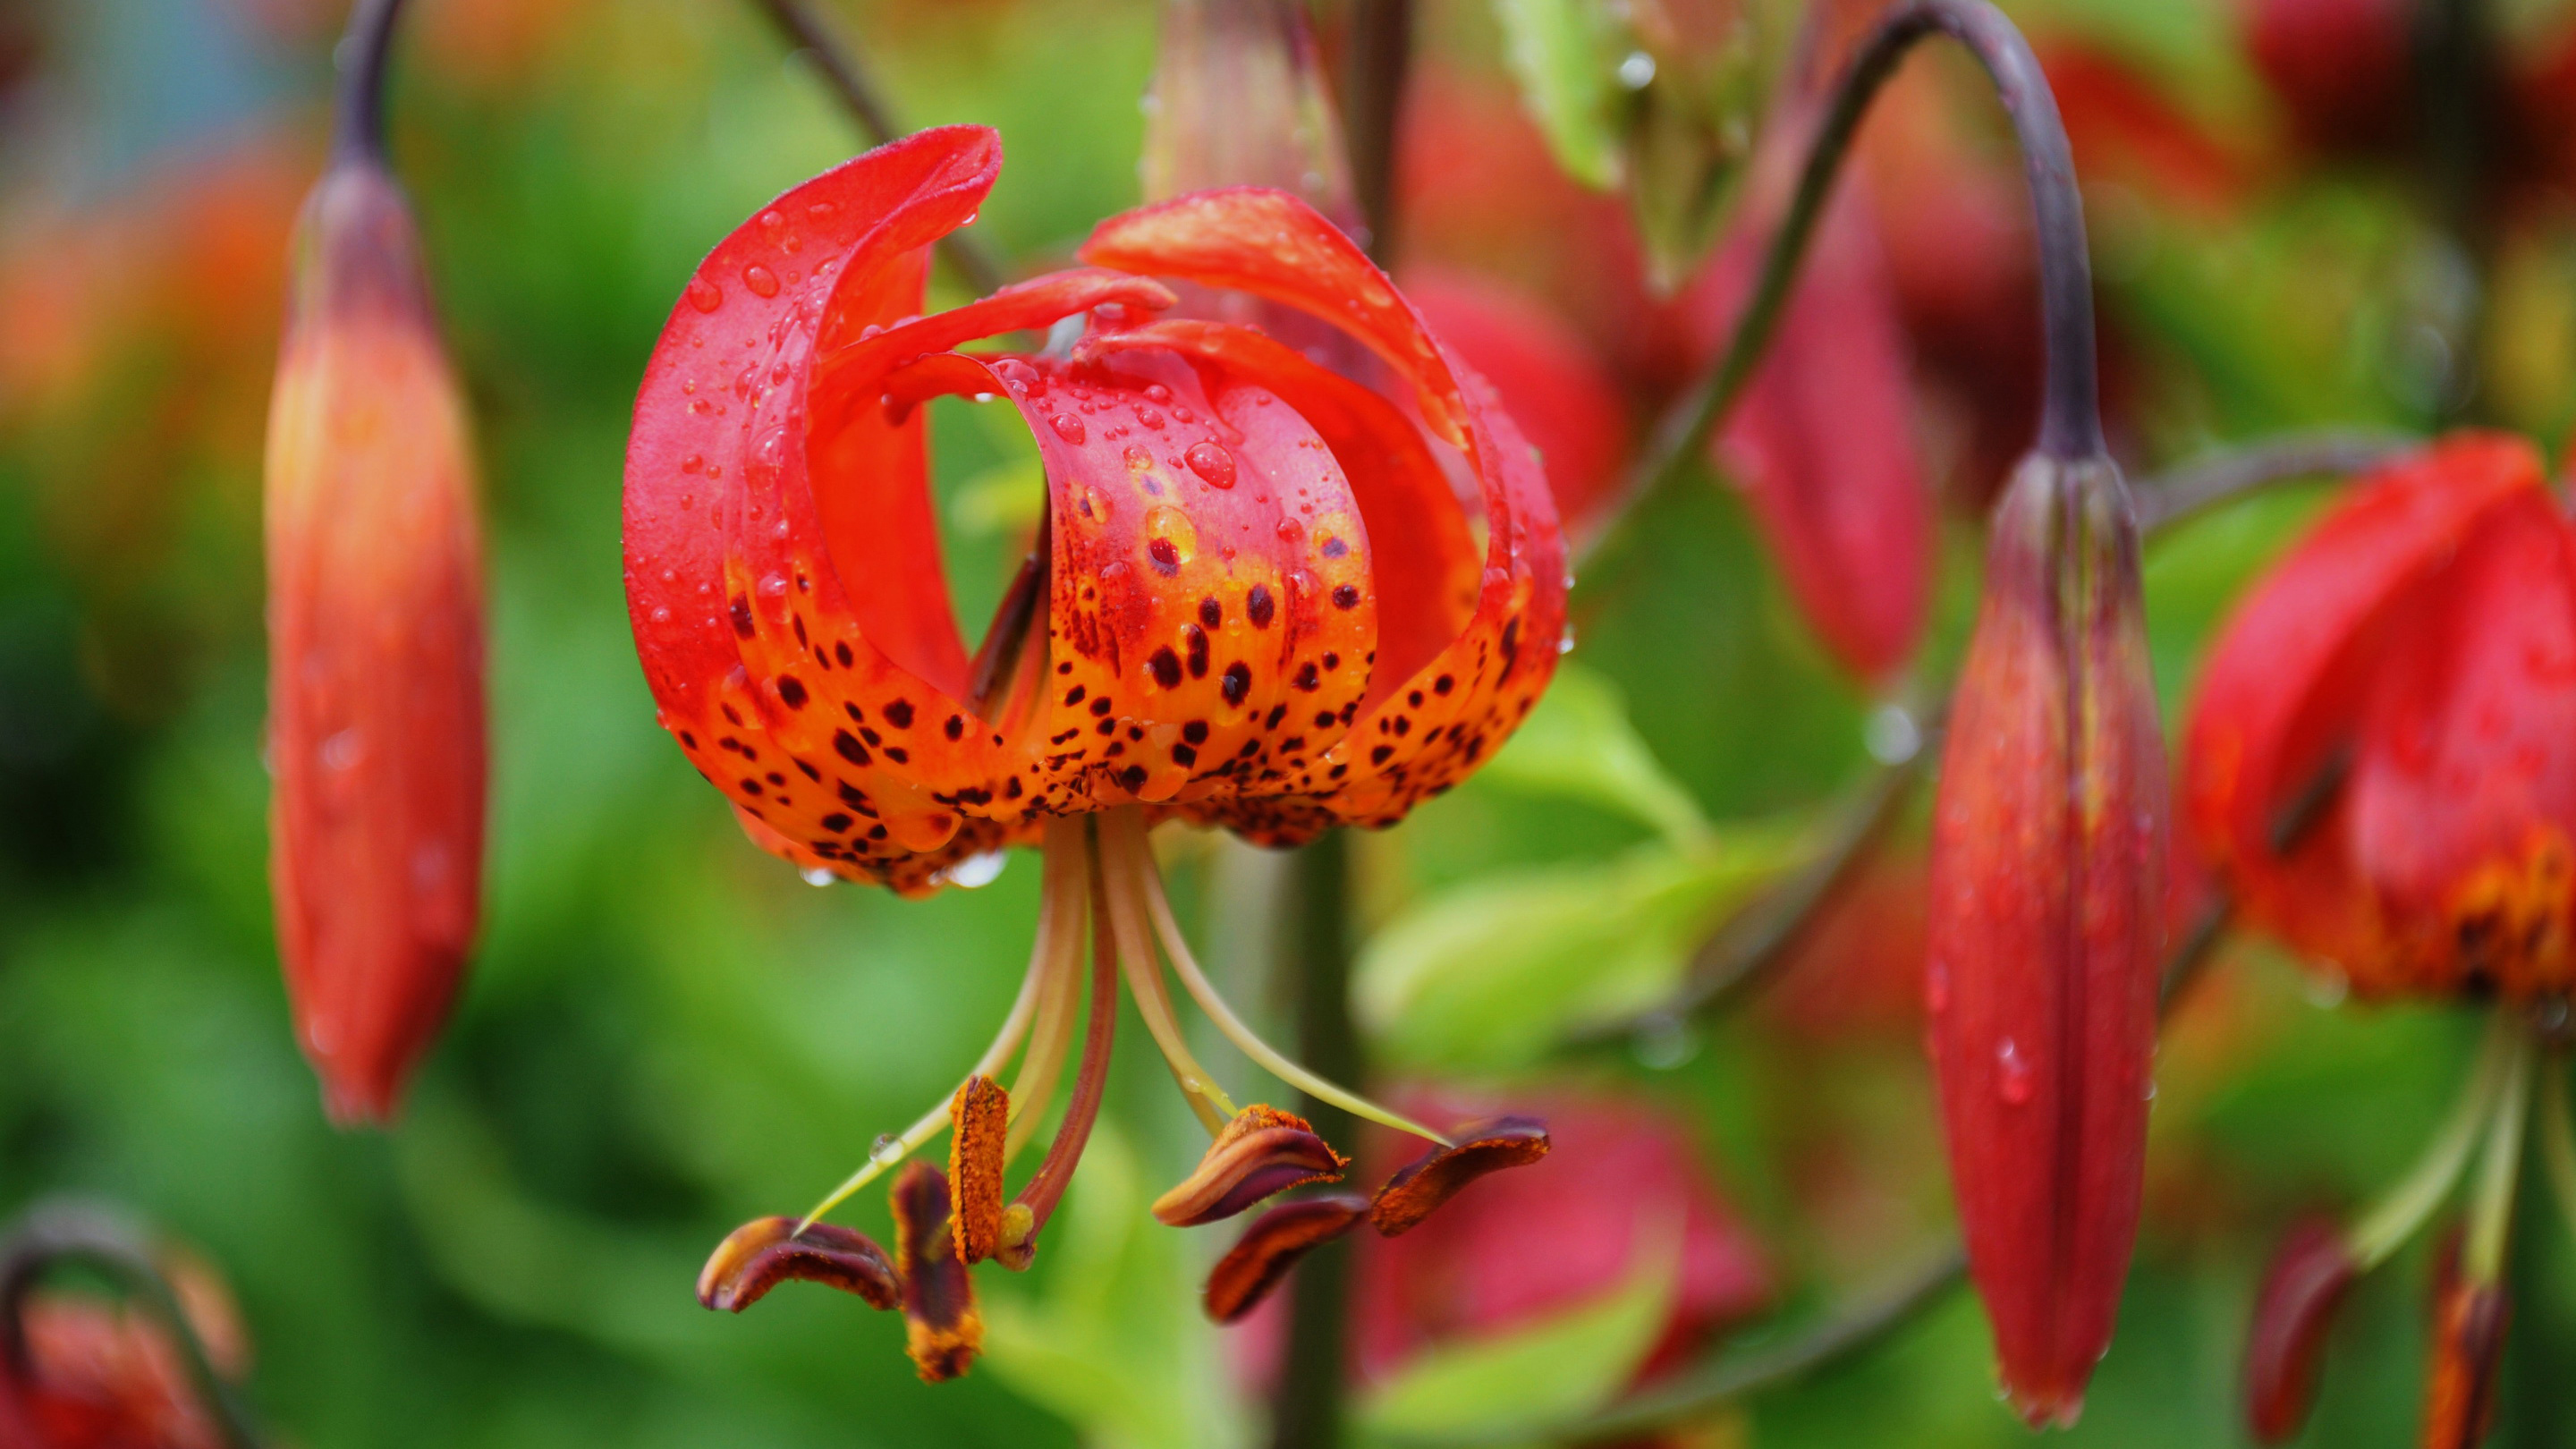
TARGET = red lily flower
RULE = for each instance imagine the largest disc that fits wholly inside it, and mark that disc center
(1548, 379)
(2047, 924)
(1255, 604)
(79, 1371)
(2405, 680)
(376, 728)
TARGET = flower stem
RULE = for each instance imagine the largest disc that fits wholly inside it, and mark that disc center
(1307, 1408)
(1145, 972)
(1380, 51)
(2070, 424)
(2180, 493)
(2558, 1137)
(848, 76)
(358, 125)
(68, 1235)
(2381, 1231)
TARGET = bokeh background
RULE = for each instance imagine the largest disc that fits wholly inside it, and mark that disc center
(666, 1032)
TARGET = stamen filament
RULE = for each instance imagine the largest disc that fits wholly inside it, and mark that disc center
(2558, 1137)
(1015, 1029)
(1039, 1196)
(1068, 878)
(1123, 834)
(1145, 973)
(2491, 1198)
(2380, 1232)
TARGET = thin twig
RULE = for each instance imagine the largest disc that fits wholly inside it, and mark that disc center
(848, 76)
(358, 127)
(2179, 493)
(1381, 49)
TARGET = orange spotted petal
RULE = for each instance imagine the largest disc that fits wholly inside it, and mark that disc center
(1435, 724)
(740, 527)
(2281, 696)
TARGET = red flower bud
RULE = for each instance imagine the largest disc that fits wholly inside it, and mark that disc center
(376, 729)
(2046, 925)
(2340, 68)
(2301, 1292)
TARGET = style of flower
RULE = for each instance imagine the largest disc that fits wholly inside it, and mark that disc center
(1255, 603)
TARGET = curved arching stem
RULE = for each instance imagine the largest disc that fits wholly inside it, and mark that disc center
(358, 122)
(66, 1235)
(2070, 419)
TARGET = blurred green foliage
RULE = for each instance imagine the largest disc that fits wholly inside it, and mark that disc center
(666, 1032)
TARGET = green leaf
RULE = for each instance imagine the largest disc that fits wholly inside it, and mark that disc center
(1560, 51)
(1491, 974)
(1578, 743)
(1533, 1377)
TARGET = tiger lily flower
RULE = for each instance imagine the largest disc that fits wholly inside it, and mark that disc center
(2378, 766)
(1254, 604)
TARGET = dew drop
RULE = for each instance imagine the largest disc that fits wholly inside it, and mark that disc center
(1138, 460)
(1067, 427)
(661, 614)
(704, 295)
(1936, 988)
(885, 1149)
(816, 875)
(1212, 462)
(1891, 735)
(1170, 525)
(2012, 1073)
(759, 280)
(1636, 70)
(976, 870)
(1150, 417)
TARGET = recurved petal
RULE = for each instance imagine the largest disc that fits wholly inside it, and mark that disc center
(765, 1252)
(2282, 693)
(1261, 1153)
(742, 526)
(2469, 1325)
(942, 1330)
(2462, 816)
(2310, 1273)
(376, 720)
(2046, 926)
(1277, 1239)
(1427, 730)
(1417, 1190)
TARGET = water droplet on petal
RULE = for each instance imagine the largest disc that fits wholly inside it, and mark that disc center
(1067, 427)
(704, 295)
(816, 875)
(1636, 70)
(976, 870)
(885, 1149)
(2012, 1073)
(1212, 462)
(1170, 525)
(759, 280)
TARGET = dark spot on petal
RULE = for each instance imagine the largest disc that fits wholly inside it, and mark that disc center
(1184, 755)
(1211, 613)
(897, 754)
(899, 714)
(955, 729)
(1307, 677)
(851, 750)
(1194, 643)
(1100, 705)
(791, 690)
(836, 822)
(1324, 719)
(742, 616)
(1443, 684)
(1335, 548)
(750, 786)
(1167, 559)
(1075, 694)
(1346, 596)
(1258, 606)
(1277, 713)
(1332, 660)
(1236, 682)
(841, 651)
(1195, 732)
(1132, 778)
(1165, 666)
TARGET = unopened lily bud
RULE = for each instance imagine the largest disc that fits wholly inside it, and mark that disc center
(2046, 924)
(375, 616)
(2310, 1273)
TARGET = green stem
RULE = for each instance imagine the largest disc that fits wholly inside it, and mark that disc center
(358, 127)
(1307, 1408)
(2558, 1137)
(2380, 1232)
